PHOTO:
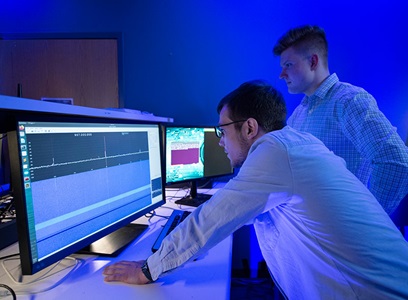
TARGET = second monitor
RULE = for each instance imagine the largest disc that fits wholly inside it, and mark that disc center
(193, 153)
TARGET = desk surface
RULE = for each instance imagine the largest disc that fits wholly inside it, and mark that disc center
(205, 278)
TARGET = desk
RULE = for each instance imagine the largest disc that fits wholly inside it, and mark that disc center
(206, 278)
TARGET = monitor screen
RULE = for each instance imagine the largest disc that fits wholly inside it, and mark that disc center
(76, 182)
(193, 153)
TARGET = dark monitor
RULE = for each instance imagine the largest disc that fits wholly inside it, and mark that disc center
(193, 153)
(76, 182)
(8, 227)
(4, 166)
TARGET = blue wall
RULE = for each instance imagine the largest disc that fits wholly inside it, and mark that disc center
(180, 57)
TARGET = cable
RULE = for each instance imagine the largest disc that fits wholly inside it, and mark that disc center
(73, 267)
(186, 191)
(8, 256)
(7, 210)
(204, 184)
(154, 214)
(9, 289)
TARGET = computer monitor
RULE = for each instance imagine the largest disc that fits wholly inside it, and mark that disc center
(4, 166)
(74, 182)
(193, 153)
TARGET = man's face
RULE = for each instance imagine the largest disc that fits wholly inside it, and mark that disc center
(296, 71)
(232, 140)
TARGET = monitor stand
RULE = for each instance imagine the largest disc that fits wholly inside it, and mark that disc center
(194, 199)
(113, 243)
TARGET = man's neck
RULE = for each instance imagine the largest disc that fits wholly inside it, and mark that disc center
(319, 79)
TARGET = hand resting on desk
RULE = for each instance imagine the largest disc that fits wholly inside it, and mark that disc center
(126, 271)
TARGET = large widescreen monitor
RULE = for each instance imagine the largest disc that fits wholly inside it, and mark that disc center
(193, 153)
(75, 182)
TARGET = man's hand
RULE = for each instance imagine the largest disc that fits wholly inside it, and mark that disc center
(126, 271)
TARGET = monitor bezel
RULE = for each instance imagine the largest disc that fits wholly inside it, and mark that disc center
(29, 267)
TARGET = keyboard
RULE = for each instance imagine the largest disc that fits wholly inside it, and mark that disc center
(176, 217)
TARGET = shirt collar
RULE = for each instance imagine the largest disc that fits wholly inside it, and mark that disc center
(321, 91)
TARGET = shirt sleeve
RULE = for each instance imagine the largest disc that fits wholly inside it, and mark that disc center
(377, 140)
(238, 203)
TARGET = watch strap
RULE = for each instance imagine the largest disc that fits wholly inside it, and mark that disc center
(146, 271)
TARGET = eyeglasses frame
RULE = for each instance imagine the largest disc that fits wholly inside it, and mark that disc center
(219, 132)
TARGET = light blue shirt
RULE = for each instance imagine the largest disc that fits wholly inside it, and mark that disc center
(347, 120)
(322, 233)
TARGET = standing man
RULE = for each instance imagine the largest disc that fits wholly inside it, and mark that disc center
(322, 233)
(345, 117)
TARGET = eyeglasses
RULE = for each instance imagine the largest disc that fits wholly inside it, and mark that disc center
(219, 132)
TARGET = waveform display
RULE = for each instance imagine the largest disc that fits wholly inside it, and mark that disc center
(55, 155)
(53, 165)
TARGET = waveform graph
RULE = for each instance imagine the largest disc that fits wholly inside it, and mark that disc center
(65, 154)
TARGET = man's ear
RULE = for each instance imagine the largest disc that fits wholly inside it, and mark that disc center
(314, 60)
(252, 128)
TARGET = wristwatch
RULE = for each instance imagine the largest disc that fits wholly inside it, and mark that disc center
(146, 271)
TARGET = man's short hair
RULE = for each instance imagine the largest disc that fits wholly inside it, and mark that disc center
(305, 39)
(259, 100)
